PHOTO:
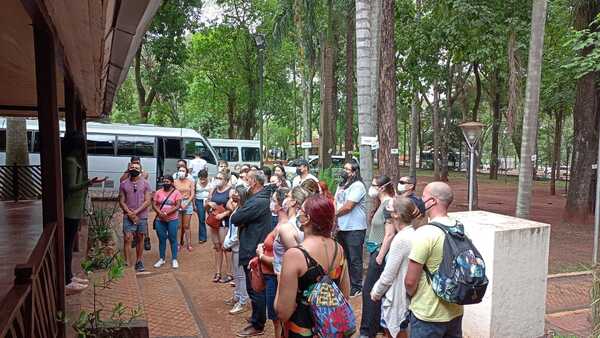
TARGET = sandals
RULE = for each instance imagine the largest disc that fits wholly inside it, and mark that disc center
(216, 278)
(226, 279)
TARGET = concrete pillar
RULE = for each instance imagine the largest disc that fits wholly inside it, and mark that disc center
(516, 255)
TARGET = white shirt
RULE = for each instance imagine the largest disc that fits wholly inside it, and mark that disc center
(197, 165)
(299, 180)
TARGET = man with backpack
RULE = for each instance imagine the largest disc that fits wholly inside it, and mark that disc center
(431, 315)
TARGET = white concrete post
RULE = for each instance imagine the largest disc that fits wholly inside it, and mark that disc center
(516, 255)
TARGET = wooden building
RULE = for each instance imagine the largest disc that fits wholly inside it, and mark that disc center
(58, 56)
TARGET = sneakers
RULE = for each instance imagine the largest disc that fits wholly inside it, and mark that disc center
(159, 263)
(250, 331)
(238, 308)
(355, 293)
(231, 301)
(139, 266)
(74, 287)
(80, 280)
(174, 264)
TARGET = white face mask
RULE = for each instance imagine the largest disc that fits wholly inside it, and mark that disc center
(180, 174)
(402, 188)
(373, 192)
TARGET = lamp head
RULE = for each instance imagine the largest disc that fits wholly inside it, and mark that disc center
(259, 38)
(472, 132)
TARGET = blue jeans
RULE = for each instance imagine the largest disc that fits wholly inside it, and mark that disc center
(352, 242)
(240, 294)
(202, 235)
(371, 310)
(423, 329)
(270, 292)
(259, 303)
(167, 230)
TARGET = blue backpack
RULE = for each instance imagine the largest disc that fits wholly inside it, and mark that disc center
(460, 279)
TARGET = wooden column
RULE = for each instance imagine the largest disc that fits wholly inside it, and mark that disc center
(52, 197)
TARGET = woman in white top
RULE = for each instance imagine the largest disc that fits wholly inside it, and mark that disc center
(202, 191)
(390, 287)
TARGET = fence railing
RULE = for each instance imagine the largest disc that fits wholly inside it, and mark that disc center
(20, 182)
(30, 307)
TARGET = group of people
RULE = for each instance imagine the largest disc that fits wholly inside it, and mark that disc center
(295, 233)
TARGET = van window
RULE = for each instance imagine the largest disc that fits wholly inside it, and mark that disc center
(250, 154)
(172, 148)
(229, 154)
(142, 146)
(2, 140)
(195, 146)
(98, 144)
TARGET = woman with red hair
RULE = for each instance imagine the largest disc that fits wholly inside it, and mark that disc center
(325, 190)
(304, 265)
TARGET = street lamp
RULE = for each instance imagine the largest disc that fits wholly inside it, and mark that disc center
(472, 132)
(261, 44)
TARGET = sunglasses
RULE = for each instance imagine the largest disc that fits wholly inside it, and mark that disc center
(405, 182)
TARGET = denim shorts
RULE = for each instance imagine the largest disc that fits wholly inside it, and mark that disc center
(141, 227)
(189, 210)
(270, 292)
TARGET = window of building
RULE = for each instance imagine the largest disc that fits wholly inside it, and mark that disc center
(229, 154)
(250, 154)
(98, 144)
(142, 146)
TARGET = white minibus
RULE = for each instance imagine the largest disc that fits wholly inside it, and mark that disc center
(237, 151)
(110, 147)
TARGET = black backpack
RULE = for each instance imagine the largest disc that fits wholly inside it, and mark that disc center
(461, 278)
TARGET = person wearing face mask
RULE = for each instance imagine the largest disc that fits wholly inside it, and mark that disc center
(187, 189)
(243, 177)
(378, 242)
(219, 196)
(202, 191)
(136, 160)
(304, 265)
(431, 316)
(266, 257)
(351, 206)
(254, 222)
(183, 163)
(406, 187)
(134, 200)
(279, 170)
(166, 204)
(389, 289)
(224, 167)
(303, 173)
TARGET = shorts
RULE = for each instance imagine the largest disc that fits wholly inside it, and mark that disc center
(270, 292)
(129, 227)
(189, 210)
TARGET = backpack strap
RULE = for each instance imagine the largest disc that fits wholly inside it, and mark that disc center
(442, 227)
(332, 264)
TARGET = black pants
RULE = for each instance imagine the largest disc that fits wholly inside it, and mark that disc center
(259, 303)
(371, 311)
(71, 226)
(352, 242)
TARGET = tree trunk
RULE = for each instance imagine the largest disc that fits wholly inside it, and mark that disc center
(414, 131)
(420, 135)
(144, 102)
(376, 13)
(436, 132)
(349, 138)
(496, 120)
(446, 123)
(327, 79)
(532, 99)
(16, 141)
(512, 110)
(231, 102)
(556, 150)
(388, 127)
(586, 114)
(366, 123)
(477, 91)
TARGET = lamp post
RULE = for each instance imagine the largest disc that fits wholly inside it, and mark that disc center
(472, 132)
(261, 44)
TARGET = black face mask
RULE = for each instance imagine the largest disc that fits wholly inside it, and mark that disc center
(134, 173)
(431, 206)
(298, 171)
(167, 186)
(344, 176)
(387, 215)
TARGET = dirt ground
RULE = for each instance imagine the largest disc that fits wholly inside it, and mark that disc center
(571, 245)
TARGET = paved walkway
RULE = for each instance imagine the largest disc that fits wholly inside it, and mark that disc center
(186, 303)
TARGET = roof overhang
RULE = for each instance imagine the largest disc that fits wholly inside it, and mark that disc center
(96, 42)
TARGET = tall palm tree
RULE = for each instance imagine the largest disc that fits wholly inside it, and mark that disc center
(532, 105)
(366, 122)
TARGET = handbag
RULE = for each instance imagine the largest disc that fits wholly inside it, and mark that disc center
(156, 217)
(257, 280)
(147, 244)
(212, 220)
